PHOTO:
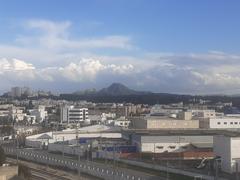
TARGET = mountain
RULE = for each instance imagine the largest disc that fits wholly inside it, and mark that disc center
(117, 89)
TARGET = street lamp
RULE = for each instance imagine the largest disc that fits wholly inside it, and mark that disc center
(179, 144)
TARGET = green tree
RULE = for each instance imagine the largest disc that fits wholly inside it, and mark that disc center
(2, 156)
(24, 172)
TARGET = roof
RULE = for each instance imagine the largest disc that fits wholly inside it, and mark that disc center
(181, 132)
(44, 136)
(202, 145)
(94, 128)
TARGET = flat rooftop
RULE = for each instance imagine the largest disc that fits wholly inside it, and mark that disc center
(182, 132)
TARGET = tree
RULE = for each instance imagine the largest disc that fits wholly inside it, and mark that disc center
(24, 171)
(2, 156)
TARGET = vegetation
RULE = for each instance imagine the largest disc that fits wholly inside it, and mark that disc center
(21, 140)
(2, 156)
(6, 130)
(24, 172)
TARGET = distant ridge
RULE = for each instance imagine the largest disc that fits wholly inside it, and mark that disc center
(119, 93)
(115, 89)
(118, 89)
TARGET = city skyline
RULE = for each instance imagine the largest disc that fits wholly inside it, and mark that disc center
(162, 46)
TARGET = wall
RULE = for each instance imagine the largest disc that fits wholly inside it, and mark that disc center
(224, 123)
(6, 173)
(139, 123)
(172, 124)
(104, 171)
(222, 148)
(235, 155)
(147, 143)
(162, 147)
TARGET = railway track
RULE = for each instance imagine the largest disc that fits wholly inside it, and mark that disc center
(38, 174)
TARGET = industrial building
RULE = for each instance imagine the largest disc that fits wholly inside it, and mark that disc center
(165, 122)
(221, 122)
(70, 135)
(156, 141)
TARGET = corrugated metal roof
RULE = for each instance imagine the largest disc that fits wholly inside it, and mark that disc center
(202, 145)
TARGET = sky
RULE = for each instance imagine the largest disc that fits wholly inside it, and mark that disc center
(172, 46)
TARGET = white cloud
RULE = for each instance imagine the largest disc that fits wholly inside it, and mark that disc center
(84, 70)
(168, 73)
(56, 36)
(48, 52)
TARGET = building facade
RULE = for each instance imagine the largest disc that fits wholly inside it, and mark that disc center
(163, 123)
(169, 143)
(223, 122)
(227, 148)
(73, 115)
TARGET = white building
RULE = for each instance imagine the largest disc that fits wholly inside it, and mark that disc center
(16, 113)
(159, 142)
(5, 109)
(107, 116)
(40, 113)
(95, 131)
(163, 109)
(71, 115)
(122, 122)
(227, 148)
(206, 113)
(223, 122)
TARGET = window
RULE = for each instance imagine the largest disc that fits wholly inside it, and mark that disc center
(219, 123)
(235, 123)
(225, 122)
(160, 147)
(172, 147)
(231, 122)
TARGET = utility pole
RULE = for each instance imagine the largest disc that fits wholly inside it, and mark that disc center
(79, 155)
(216, 173)
(17, 148)
(154, 151)
(105, 150)
(237, 177)
(63, 147)
(114, 160)
(167, 171)
(180, 157)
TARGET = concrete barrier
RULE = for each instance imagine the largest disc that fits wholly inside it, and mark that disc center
(168, 169)
(96, 169)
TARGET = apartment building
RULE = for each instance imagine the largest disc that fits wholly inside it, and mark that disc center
(72, 115)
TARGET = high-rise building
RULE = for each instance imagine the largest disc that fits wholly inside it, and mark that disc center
(16, 92)
(19, 91)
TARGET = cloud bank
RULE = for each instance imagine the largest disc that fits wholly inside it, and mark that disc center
(47, 55)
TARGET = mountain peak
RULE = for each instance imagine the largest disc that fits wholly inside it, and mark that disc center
(117, 89)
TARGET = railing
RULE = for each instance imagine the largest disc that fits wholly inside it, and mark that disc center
(95, 169)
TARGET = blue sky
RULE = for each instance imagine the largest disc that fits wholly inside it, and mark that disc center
(160, 45)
